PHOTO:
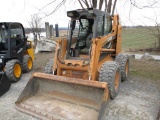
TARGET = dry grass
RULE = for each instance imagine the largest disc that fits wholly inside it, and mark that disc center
(62, 32)
(137, 38)
(144, 68)
(132, 38)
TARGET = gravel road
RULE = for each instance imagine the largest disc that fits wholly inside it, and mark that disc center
(138, 99)
(7, 101)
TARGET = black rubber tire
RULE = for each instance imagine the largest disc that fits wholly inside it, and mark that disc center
(123, 60)
(49, 65)
(26, 69)
(9, 68)
(108, 74)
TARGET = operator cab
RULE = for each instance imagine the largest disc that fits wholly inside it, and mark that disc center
(13, 42)
(11, 38)
(3, 37)
(86, 24)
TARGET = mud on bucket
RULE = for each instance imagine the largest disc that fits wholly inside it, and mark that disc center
(56, 97)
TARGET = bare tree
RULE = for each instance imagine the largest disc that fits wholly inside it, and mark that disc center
(35, 25)
(147, 4)
(155, 30)
(61, 3)
(108, 6)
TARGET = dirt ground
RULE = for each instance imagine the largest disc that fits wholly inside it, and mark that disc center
(138, 99)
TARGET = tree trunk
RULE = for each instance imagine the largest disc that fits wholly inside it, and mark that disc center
(159, 42)
(114, 5)
(109, 6)
(100, 4)
(94, 3)
(87, 4)
(39, 36)
(35, 39)
(80, 4)
(105, 6)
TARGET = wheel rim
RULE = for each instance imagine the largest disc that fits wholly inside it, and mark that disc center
(17, 70)
(29, 63)
(116, 82)
(127, 68)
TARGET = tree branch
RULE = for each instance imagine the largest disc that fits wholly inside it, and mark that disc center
(105, 6)
(133, 2)
(86, 2)
(94, 2)
(80, 3)
(109, 6)
(90, 3)
(100, 4)
(114, 5)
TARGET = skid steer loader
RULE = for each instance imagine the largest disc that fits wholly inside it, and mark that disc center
(84, 74)
(16, 54)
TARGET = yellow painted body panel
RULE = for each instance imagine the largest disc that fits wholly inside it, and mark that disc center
(30, 51)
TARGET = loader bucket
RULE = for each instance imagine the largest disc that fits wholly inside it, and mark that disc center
(52, 97)
(4, 83)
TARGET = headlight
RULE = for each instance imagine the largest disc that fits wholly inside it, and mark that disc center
(70, 14)
(0, 60)
(90, 11)
(28, 43)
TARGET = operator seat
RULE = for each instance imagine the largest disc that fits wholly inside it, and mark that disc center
(12, 42)
(3, 47)
(88, 44)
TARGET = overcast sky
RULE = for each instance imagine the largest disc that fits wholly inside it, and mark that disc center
(21, 10)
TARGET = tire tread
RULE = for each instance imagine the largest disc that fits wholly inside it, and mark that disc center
(107, 74)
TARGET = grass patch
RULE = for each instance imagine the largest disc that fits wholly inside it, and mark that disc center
(144, 68)
(137, 38)
(132, 38)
